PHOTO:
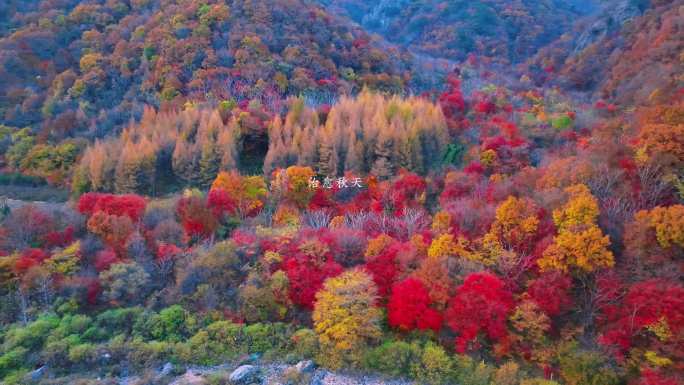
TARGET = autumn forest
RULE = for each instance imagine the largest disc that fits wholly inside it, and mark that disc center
(323, 192)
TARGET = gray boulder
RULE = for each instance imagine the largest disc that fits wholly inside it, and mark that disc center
(306, 366)
(246, 375)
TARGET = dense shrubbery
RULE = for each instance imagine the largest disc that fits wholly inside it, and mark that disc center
(495, 234)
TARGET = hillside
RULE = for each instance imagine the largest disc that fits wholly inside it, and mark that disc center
(630, 54)
(300, 192)
(506, 30)
(74, 66)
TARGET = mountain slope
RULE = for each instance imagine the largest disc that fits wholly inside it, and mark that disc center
(631, 54)
(507, 30)
(71, 65)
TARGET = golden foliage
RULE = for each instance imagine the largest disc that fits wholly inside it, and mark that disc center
(370, 132)
(442, 246)
(585, 251)
(65, 261)
(582, 209)
(377, 245)
(286, 215)
(337, 222)
(565, 172)
(441, 222)
(661, 135)
(530, 322)
(580, 245)
(668, 223)
(514, 226)
(661, 329)
(346, 318)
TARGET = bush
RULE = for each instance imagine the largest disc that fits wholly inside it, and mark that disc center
(71, 324)
(33, 335)
(173, 324)
(205, 352)
(393, 358)
(56, 353)
(124, 283)
(12, 360)
(469, 372)
(82, 354)
(118, 321)
(305, 344)
(220, 341)
(292, 376)
(261, 338)
(228, 335)
(146, 354)
(585, 368)
(507, 374)
(433, 367)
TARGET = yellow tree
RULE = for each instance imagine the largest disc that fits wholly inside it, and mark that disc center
(346, 318)
(580, 245)
(516, 223)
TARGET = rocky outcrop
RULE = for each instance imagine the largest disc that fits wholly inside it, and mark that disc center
(610, 19)
(246, 375)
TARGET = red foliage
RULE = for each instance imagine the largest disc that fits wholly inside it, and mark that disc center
(452, 102)
(306, 277)
(481, 304)
(551, 292)
(645, 304)
(30, 258)
(86, 203)
(220, 202)
(196, 218)
(383, 268)
(59, 238)
(485, 107)
(321, 199)
(105, 259)
(474, 168)
(93, 290)
(167, 252)
(130, 205)
(409, 307)
(653, 377)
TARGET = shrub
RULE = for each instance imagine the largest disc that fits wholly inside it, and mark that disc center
(469, 372)
(507, 374)
(261, 338)
(124, 283)
(82, 353)
(227, 335)
(433, 367)
(393, 358)
(12, 360)
(305, 344)
(146, 354)
(585, 368)
(117, 321)
(33, 335)
(172, 324)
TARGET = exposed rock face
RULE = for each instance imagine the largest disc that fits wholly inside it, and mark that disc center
(246, 375)
(611, 18)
